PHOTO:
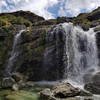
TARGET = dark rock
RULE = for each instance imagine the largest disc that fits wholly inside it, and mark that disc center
(85, 27)
(96, 78)
(88, 99)
(94, 87)
(18, 77)
(97, 28)
(27, 15)
(63, 20)
(64, 90)
(7, 82)
(95, 15)
(85, 93)
(55, 57)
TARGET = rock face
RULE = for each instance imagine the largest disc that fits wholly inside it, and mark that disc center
(94, 86)
(42, 49)
(65, 90)
(7, 82)
(54, 56)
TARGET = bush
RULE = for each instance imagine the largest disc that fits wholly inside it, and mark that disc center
(14, 20)
(4, 23)
(21, 20)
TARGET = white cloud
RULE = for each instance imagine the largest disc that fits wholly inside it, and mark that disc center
(39, 7)
(74, 7)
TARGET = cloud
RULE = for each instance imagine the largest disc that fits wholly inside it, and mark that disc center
(40, 7)
(74, 7)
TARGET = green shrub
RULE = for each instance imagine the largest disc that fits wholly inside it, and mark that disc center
(14, 20)
(4, 23)
(21, 20)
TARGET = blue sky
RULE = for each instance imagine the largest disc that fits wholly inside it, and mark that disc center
(50, 8)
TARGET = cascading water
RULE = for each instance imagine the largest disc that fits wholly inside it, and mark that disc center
(81, 52)
(14, 52)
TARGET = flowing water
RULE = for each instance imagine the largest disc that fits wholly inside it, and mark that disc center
(14, 52)
(81, 51)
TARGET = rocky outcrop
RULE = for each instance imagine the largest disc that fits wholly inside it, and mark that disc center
(25, 14)
(39, 54)
(7, 82)
(94, 86)
(62, 91)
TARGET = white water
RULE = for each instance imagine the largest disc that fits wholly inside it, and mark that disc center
(14, 52)
(81, 52)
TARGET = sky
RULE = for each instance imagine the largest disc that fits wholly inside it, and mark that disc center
(50, 8)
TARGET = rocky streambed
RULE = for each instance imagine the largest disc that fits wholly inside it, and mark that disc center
(20, 90)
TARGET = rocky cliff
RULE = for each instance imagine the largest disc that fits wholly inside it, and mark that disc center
(41, 52)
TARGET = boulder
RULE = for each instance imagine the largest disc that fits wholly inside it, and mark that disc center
(18, 77)
(64, 90)
(7, 82)
(46, 94)
(95, 89)
(15, 87)
(85, 93)
(94, 86)
(96, 78)
(97, 28)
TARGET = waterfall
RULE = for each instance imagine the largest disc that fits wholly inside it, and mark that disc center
(81, 51)
(14, 52)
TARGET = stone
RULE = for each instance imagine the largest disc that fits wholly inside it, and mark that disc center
(7, 82)
(64, 90)
(96, 78)
(18, 76)
(15, 87)
(94, 86)
(85, 93)
(46, 94)
(97, 28)
(95, 89)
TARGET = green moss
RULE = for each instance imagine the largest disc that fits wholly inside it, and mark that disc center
(9, 19)
(21, 20)
(22, 95)
(86, 21)
(18, 95)
(39, 50)
(4, 23)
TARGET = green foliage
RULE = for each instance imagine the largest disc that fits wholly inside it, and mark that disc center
(18, 95)
(21, 20)
(86, 21)
(39, 50)
(4, 23)
(8, 19)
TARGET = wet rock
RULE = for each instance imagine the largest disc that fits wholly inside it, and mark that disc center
(96, 78)
(46, 94)
(15, 87)
(64, 90)
(18, 77)
(7, 82)
(94, 86)
(95, 89)
(85, 93)
(88, 99)
(85, 27)
(97, 28)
